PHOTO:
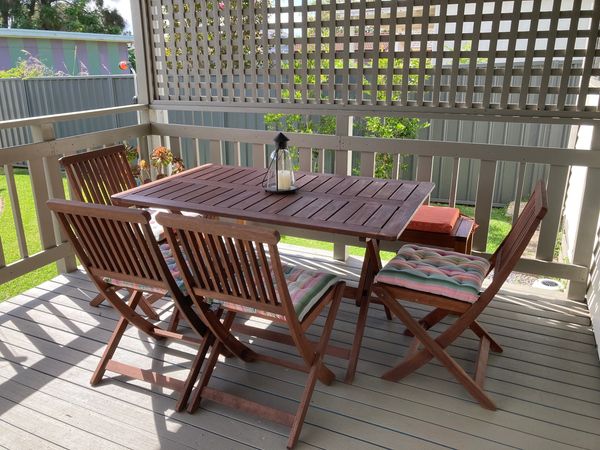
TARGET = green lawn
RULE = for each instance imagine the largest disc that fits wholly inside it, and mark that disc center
(9, 235)
(499, 227)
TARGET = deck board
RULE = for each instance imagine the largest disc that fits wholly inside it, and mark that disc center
(546, 384)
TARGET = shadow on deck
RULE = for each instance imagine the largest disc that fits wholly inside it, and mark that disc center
(546, 384)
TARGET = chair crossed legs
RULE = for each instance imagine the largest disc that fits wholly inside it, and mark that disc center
(118, 250)
(238, 267)
(450, 282)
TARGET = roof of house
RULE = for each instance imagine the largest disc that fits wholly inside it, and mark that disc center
(65, 35)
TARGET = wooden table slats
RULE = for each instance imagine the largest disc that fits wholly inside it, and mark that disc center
(358, 206)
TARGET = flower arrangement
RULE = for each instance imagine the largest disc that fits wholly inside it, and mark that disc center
(160, 159)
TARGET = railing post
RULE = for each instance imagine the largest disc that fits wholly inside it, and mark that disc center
(158, 116)
(143, 76)
(587, 229)
(46, 182)
(343, 166)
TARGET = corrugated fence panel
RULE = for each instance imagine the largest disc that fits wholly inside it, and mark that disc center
(124, 94)
(13, 105)
(29, 98)
(189, 150)
(543, 135)
(60, 95)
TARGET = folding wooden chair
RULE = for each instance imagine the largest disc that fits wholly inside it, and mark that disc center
(450, 282)
(117, 248)
(96, 175)
(228, 264)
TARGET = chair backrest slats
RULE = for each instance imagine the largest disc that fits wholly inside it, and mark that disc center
(106, 241)
(256, 274)
(239, 284)
(96, 175)
(512, 247)
(246, 271)
(229, 262)
(266, 274)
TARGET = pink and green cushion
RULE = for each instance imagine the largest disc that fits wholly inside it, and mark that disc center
(436, 271)
(305, 287)
(171, 264)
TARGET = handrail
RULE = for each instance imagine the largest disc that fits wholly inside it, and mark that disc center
(70, 144)
(42, 157)
(491, 152)
(44, 169)
(54, 118)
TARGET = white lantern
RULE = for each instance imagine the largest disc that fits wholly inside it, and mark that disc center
(280, 175)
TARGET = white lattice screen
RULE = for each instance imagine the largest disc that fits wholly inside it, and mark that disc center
(500, 57)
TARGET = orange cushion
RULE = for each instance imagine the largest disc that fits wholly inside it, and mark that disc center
(435, 219)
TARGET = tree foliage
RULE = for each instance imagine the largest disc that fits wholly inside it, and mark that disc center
(85, 16)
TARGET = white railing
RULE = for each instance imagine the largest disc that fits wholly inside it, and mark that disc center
(425, 151)
(42, 158)
(46, 181)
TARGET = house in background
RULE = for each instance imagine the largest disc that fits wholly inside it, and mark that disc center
(67, 52)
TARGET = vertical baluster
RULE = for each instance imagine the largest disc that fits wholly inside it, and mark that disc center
(16, 210)
(519, 192)
(305, 159)
(396, 164)
(259, 158)
(483, 201)
(367, 164)
(37, 175)
(198, 152)
(237, 154)
(424, 170)
(56, 190)
(454, 182)
(216, 152)
(550, 226)
(321, 161)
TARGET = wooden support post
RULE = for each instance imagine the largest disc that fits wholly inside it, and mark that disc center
(587, 229)
(46, 182)
(144, 75)
(343, 166)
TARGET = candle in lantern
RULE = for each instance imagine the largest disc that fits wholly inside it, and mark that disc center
(284, 180)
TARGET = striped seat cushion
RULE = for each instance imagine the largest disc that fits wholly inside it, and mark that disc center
(436, 271)
(306, 289)
(171, 264)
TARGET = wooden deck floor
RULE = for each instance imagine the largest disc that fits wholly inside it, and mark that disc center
(546, 383)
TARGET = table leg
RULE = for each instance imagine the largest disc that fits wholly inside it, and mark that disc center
(371, 265)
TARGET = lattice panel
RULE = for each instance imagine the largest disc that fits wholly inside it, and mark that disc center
(493, 56)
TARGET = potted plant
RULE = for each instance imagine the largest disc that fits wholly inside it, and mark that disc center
(161, 158)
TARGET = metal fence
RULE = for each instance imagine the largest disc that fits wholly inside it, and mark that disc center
(54, 95)
(44, 96)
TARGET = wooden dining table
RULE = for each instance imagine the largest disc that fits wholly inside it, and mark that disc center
(368, 209)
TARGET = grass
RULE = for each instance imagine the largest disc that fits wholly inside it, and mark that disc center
(8, 235)
(499, 227)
